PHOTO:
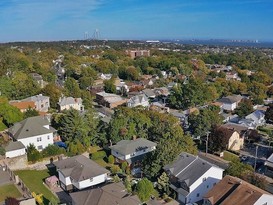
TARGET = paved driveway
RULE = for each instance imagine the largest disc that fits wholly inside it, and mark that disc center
(4, 177)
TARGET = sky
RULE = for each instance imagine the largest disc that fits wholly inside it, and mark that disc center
(47, 20)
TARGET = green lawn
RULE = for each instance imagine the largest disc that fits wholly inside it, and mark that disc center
(34, 181)
(9, 190)
(230, 156)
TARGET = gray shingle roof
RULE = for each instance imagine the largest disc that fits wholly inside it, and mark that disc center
(30, 127)
(110, 194)
(188, 168)
(231, 99)
(69, 101)
(138, 99)
(14, 146)
(79, 168)
(126, 147)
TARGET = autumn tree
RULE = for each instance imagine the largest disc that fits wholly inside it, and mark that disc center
(219, 138)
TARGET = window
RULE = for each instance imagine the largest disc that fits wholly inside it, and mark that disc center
(207, 186)
(48, 137)
(40, 147)
(197, 195)
(39, 139)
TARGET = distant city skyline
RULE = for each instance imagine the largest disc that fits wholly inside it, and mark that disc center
(51, 20)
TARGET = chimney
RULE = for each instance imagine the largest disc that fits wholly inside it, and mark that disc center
(134, 137)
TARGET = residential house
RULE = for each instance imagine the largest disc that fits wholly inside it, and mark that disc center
(110, 194)
(138, 53)
(15, 149)
(269, 166)
(105, 76)
(132, 151)
(66, 103)
(233, 139)
(233, 75)
(192, 177)
(41, 102)
(257, 117)
(80, 172)
(39, 79)
(230, 103)
(33, 130)
(232, 190)
(149, 93)
(138, 100)
(22, 106)
(110, 100)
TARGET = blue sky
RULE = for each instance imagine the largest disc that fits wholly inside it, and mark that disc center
(34, 20)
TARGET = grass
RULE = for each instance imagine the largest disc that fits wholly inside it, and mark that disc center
(230, 156)
(102, 163)
(34, 181)
(9, 190)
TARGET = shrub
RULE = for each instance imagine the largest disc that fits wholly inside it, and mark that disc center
(98, 155)
(111, 159)
(52, 150)
(124, 165)
(115, 169)
(33, 155)
(2, 151)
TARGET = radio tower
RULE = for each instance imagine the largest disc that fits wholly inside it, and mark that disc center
(86, 36)
(96, 35)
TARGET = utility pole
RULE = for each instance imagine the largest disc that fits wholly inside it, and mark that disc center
(256, 157)
(207, 142)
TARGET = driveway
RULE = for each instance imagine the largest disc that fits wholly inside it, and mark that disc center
(4, 177)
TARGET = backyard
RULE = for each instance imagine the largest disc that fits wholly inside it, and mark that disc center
(9, 190)
(34, 180)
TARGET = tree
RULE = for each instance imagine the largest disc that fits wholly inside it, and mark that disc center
(201, 123)
(124, 165)
(30, 113)
(163, 184)
(111, 159)
(238, 169)
(11, 201)
(9, 113)
(245, 107)
(218, 139)
(255, 179)
(257, 92)
(128, 184)
(72, 88)
(145, 189)
(109, 86)
(269, 114)
(33, 155)
(54, 92)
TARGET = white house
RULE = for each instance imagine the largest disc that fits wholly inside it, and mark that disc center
(41, 102)
(15, 149)
(66, 103)
(132, 150)
(33, 130)
(138, 100)
(230, 103)
(257, 117)
(192, 177)
(80, 172)
(232, 190)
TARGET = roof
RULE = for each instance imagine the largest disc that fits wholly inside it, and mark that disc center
(14, 146)
(22, 105)
(149, 93)
(231, 99)
(138, 99)
(79, 168)
(232, 190)
(239, 128)
(110, 97)
(188, 168)
(36, 98)
(256, 115)
(126, 147)
(69, 101)
(110, 194)
(32, 126)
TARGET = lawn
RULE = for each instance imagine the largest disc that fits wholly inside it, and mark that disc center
(34, 181)
(230, 156)
(9, 190)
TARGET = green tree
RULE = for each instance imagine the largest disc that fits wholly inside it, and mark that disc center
(244, 108)
(54, 92)
(124, 165)
(30, 113)
(33, 155)
(111, 159)
(269, 114)
(145, 189)
(72, 88)
(163, 184)
(238, 169)
(128, 184)
(109, 86)
(257, 92)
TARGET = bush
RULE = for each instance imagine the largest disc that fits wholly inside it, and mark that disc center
(2, 151)
(52, 150)
(33, 155)
(98, 155)
(124, 165)
(115, 169)
(111, 159)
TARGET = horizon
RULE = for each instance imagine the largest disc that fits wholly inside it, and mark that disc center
(67, 20)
